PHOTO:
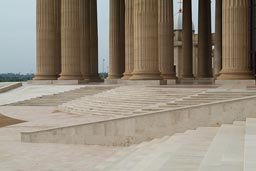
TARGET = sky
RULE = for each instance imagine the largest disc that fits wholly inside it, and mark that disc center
(18, 34)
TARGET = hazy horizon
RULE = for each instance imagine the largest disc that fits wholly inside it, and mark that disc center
(18, 34)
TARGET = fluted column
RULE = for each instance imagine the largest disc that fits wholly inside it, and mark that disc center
(46, 39)
(165, 36)
(94, 74)
(85, 38)
(129, 41)
(204, 40)
(115, 61)
(146, 62)
(122, 34)
(70, 40)
(187, 41)
(58, 37)
(218, 38)
(235, 59)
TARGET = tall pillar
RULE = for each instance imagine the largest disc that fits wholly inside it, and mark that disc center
(218, 38)
(187, 40)
(70, 40)
(94, 74)
(166, 41)
(122, 35)
(85, 38)
(115, 61)
(146, 62)
(58, 37)
(129, 41)
(46, 39)
(235, 45)
(204, 40)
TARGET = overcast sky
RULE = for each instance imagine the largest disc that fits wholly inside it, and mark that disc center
(18, 34)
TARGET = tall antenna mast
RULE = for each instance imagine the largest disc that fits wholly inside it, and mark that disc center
(180, 2)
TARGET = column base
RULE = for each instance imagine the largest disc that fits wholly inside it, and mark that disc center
(95, 78)
(126, 76)
(236, 75)
(70, 82)
(146, 76)
(169, 76)
(113, 77)
(70, 77)
(196, 81)
(235, 83)
(45, 77)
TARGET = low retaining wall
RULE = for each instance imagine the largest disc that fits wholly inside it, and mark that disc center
(132, 130)
(9, 87)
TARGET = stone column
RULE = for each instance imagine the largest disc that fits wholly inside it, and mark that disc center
(218, 38)
(46, 39)
(122, 35)
(146, 62)
(94, 75)
(129, 41)
(70, 40)
(187, 40)
(58, 37)
(204, 40)
(166, 41)
(85, 38)
(235, 45)
(115, 68)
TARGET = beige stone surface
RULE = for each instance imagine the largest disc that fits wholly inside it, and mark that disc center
(129, 39)
(115, 53)
(85, 38)
(218, 38)
(235, 61)
(47, 39)
(146, 61)
(70, 40)
(165, 38)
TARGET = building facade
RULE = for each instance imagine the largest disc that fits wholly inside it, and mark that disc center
(141, 41)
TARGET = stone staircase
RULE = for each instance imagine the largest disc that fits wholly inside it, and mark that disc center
(232, 147)
(63, 97)
(139, 100)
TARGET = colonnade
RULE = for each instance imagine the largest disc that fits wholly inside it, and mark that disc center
(67, 40)
(141, 40)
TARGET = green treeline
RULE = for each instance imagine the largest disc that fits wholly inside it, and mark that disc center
(11, 77)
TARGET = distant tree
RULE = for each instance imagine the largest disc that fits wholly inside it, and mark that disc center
(12, 77)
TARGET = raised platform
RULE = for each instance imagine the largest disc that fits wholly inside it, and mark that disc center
(120, 124)
(235, 83)
(4, 87)
(137, 82)
(58, 82)
(196, 81)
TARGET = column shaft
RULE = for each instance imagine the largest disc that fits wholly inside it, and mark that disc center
(187, 40)
(122, 35)
(235, 45)
(85, 38)
(165, 36)
(94, 74)
(146, 62)
(129, 41)
(115, 69)
(46, 38)
(70, 40)
(218, 38)
(58, 37)
(204, 40)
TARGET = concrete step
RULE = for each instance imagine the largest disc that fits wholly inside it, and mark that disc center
(250, 145)
(181, 151)
(226, 151)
